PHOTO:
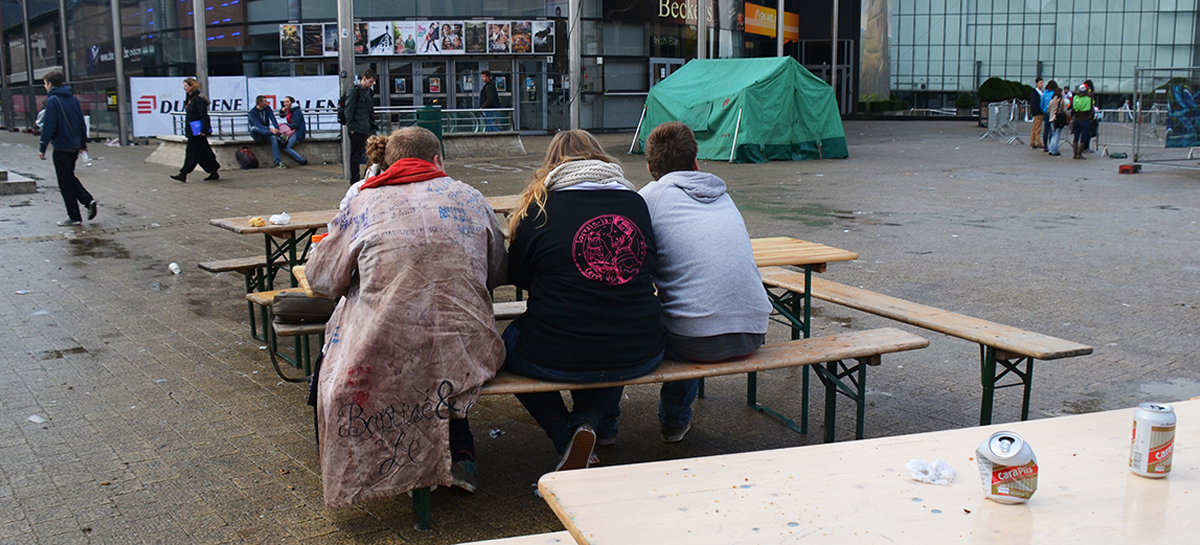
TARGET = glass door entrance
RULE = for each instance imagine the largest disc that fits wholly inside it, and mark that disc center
(661, 67)
(543, 96)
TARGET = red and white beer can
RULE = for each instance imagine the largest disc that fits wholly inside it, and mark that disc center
(1153, 442)
(1007, 467)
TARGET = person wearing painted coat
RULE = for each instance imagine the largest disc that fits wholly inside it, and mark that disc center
(414, 338)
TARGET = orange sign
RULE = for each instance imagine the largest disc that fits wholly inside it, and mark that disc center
(761, 20)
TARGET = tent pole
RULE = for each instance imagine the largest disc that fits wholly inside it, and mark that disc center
(736, 129)
(637, 131)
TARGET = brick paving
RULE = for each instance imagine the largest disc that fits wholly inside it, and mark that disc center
(162, 421)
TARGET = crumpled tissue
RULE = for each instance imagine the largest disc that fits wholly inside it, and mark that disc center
(935, 472)
(281, 218)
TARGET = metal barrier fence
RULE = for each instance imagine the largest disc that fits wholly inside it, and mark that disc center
(1166, 118)
(1002, 121)
(323, 121)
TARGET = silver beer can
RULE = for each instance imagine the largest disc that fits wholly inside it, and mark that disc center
(1153, 442)
(1007, 468)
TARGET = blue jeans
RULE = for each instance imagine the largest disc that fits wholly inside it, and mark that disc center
(292, 141)
(1055, 140)
(490, 118)
(1082, 128)
(1047, 128)
(267, 136)
(598, 407)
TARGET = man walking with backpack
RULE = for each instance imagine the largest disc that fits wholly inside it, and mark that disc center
(63, 125)
(358, 115)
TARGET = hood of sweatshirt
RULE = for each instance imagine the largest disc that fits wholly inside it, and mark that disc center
(61, 90)
(701, 186)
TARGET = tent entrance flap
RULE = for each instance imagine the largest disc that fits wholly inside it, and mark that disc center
(749, 110)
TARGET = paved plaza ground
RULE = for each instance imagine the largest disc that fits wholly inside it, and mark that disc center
(161, 421)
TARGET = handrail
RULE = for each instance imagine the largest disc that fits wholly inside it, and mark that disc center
(235, 124)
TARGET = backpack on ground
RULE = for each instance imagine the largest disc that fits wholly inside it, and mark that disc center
(246, 159)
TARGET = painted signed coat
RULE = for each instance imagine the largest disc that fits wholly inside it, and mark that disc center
(414, 338)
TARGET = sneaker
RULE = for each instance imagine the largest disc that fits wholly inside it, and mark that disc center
(606, 441)
(92, 209)
(593, 460)
(213, 176)
(69, 223)
(280, 165)
(463, 474)
(579, 450)
(181, 178)
(674, 434)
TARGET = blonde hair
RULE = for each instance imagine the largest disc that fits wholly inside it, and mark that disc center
(566, 146)
(376, 146)
(193, 83)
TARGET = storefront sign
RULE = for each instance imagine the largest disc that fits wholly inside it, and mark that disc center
(761, 20)
(726, 14)
(155, 99)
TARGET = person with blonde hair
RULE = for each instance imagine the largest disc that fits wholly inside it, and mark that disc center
(582, 245)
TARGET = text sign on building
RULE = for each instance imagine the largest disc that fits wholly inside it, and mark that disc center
(761, 20)
(155, 99)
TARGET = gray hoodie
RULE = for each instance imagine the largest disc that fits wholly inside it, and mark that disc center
(706, 276)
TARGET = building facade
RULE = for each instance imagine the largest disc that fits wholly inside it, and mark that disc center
(627, 46)
(940, 48)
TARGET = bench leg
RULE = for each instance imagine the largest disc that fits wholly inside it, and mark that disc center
(850, 381)
(421, 505)
(752, 402)
(797, 309)
(996, 365)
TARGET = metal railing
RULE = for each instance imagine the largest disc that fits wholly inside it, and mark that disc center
(323, 121)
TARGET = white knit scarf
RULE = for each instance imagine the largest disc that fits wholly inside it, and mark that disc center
(587, 170)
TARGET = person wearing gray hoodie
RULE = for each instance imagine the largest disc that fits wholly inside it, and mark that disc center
(713, 302)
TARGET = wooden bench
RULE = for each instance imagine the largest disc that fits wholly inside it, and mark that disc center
(254, 269)
(1003, 349)
(552, 538)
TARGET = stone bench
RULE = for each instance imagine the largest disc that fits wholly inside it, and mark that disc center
(323, 147)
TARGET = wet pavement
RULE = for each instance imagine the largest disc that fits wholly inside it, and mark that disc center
(137, 409)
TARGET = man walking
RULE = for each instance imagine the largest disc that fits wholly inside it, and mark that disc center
(264, 127)
(489, 98)
(1038, 114)
(63, 126)
(713, 309)
(359, 119)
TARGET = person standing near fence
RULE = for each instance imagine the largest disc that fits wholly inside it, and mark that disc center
(1057, 118)
(1038, 114)
(1081, 119)
(1047, 119)
(63, 126)
(197, 127)
(359, 118)
(293, 128)
(489, 98)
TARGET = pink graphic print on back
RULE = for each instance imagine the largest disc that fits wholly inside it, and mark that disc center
(609, 249)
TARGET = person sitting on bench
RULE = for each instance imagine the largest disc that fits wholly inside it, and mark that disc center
(414, 255)
(264, 127)
(583, 247)
(293, 128)
(713, 308)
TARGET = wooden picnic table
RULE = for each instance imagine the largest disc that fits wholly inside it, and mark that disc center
(282, 243)
(861, 492)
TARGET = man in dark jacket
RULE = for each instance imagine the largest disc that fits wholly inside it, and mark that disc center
(63, 126)
(489, 98)
(264, 127)
(293, 117)
(1035, 110)
(360, 119)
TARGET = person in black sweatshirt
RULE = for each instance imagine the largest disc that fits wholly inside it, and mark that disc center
(582, 244)
(63, 126)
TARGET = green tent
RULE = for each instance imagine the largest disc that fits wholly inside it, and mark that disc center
(749, 110)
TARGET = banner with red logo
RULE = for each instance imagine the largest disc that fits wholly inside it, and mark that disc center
(155, 99)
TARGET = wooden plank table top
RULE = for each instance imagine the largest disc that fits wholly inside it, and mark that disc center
(860, 492)
(779, 251)
(316, 219)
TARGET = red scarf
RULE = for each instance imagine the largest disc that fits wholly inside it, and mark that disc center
(405, 171)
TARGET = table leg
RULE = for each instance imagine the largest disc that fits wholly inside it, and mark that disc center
(797, 309)
(421, 505)
(994, 366)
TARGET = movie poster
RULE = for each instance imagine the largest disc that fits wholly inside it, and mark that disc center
(543, 37)
(314, 40)
(452, 37)
(360, 38)
(476, 38)
(429, 38)
(289, 40)
(522, 37)
(381, 38)
(406, 37)
(498, 37)
(331, 40)
(401, 86)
